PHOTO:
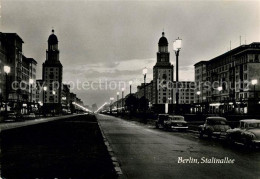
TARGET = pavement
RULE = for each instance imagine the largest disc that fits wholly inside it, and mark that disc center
(145, 152)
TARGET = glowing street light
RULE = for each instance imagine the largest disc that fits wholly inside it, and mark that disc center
(7, 70)
(220, 88)
(254, 82)
(177, 47)
(130, 83)
(198, 93)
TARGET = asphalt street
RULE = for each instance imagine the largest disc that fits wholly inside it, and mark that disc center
(146, 152)
(60, 147)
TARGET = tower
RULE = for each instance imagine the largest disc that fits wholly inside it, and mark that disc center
(162, 75)
(52, 76)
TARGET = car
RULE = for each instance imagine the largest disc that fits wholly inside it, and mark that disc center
(11, 116)
(159, 123)
(214, 126)
(31, 115)
(248, 133)
(175, 122)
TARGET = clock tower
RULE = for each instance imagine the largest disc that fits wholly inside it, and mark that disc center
(163, 76)
(52, 76)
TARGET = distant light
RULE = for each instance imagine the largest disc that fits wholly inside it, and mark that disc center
(31, 81)
(220, 88)
(7, 69)
(254, 82)
(130, 82)
(198, 92)
(117, 93)
(145, 71)
(123, 89)
(45, 88)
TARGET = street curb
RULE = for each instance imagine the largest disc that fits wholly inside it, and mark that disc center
(111, 153)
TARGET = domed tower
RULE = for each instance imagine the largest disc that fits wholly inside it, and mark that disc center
(163, 44)
(52, 54)
(52, 76)
(162, 76)
(52, 41)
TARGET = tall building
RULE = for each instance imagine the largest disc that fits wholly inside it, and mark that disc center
(228, 83)
(162, 75)
(186, 92)
(52, 75)
(3, 62)
(14, 59)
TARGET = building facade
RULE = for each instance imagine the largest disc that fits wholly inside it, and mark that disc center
(229, 78)
(186, 92)
(52, 76)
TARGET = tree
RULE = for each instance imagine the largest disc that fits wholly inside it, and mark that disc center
(143, 103)
(131, 103)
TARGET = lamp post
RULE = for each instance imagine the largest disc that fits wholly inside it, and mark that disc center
(177, 48)
(130, 83)
(123, 89)
(254, 82)
(117, 94)
(198, 94)
(31, 81)
(44, 106)
(220, 89)
(144, 73)
(53, 110)
(111, 100)
(7, 70)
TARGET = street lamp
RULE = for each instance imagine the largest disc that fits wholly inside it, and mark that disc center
(117, 94)
(220, 89)
(130, 83)
(254, 82)
(177, 48)
(144, 73)
(198, 93)
(31, 81)
(111, 100)
(123, 89)
(44, 106)
(7, 70)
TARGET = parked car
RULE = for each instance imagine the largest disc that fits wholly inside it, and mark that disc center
(214, 126)
(175, 122)
(11, 116)
(31, 116)
(159, 123)
(248, 133)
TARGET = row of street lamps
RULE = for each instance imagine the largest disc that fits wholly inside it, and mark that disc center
(176, 47)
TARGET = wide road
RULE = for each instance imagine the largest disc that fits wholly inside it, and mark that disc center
(61, 147)
(146, 152)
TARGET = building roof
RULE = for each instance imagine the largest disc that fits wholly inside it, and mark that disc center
(163, 41)
(235, 51)
(201, 63)
(15, 35)
(52, 40)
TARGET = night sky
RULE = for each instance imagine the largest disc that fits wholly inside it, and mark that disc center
(114, 41)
